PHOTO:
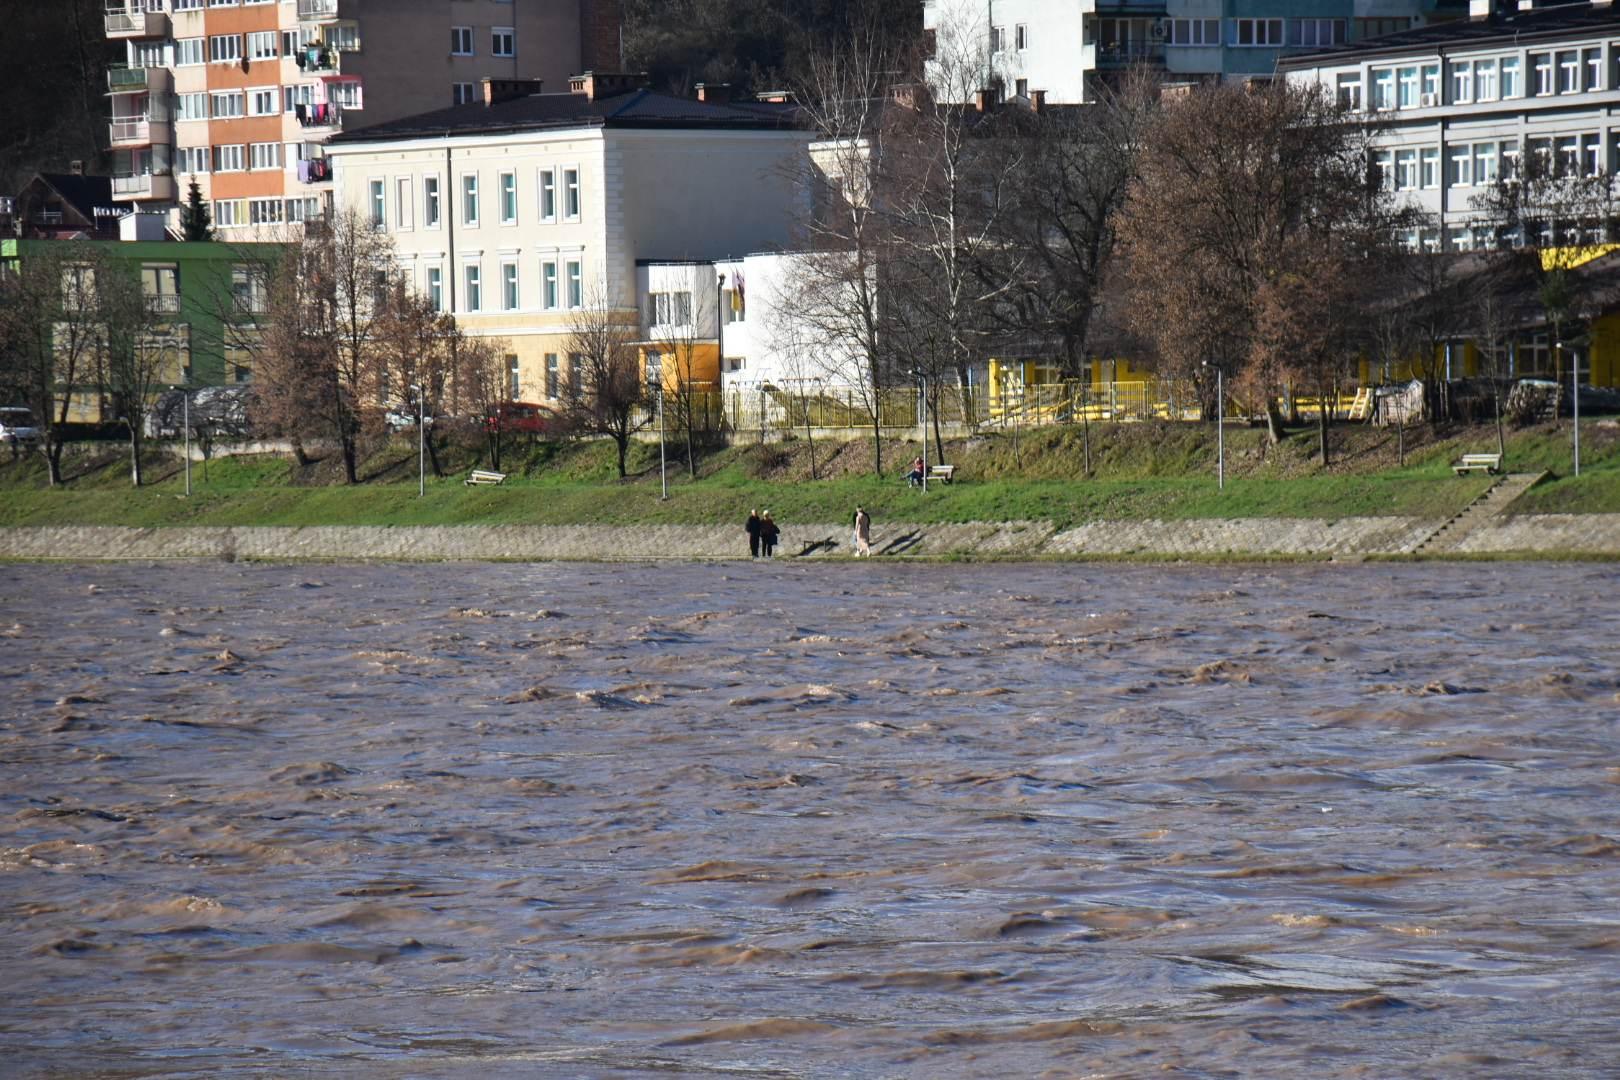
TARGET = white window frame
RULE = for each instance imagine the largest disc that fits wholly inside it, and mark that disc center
(377, 201)
(503, 35)
(403, 204)
(432, 203)
(550, 285)
(225, 48)
(547, 193)
(261, 101)
(463, 93)
(235, 102)
(256, 41)
(511, 286)
(1194, 33)
(1429, 167)
(573, 200)
(468, 198)
(461, 41)
(190, 52)
(575, 284)
(472, 286)
(264, 155)
(1266, 33)
(191, 106)
(433, 286)
(508, 196)
(230, 157)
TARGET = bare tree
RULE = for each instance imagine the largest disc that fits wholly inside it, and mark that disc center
(52, 340)
(605, 393)
(686, 397)
(414, 345)
(136, 352)
(320, 346)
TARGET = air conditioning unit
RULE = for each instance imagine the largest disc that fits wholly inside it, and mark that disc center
(1159, 29)
(1428, 101)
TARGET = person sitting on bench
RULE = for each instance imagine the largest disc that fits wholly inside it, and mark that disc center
(915, 476)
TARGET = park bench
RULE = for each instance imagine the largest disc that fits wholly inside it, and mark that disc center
(1487, 463)
(484, 476)
(942, 473)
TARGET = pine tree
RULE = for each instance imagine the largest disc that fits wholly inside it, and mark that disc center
(194, 217)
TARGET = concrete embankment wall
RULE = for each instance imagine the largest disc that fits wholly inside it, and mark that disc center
(1596, 534)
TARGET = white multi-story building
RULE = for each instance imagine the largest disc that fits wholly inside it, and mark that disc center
(240, 95)
(1459, 105)
(518, 215)
(1062, 48)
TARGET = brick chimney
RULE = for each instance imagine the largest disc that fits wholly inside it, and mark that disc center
(1037, 100)
(601, 35)
(985, 100)
(714, 94)
(499, 90)
(76, 168)
(597, 85)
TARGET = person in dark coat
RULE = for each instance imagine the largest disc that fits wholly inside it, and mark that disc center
(752, 528)
(768, 532)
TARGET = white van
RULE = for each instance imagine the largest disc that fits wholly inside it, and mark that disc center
(17, 425)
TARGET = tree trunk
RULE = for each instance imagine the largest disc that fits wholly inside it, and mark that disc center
(351, 461)
(433, 457)
(1275, 430)
(877, 431)
(134, 455)
(623, 443)
(1085, 424)
(810, 439)
(300, 452)
(1322, 430)
(53, 463)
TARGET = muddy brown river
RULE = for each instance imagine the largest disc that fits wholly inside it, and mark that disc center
(841, 820)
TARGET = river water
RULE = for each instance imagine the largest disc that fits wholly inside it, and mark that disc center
(855, 820)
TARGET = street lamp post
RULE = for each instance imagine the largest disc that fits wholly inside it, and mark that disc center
(185, 422)
(421, 442)
(663, 473)
(1575, 391)
(1220, 427)
(923, 412)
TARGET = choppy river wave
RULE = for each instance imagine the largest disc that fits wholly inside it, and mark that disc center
(807, 821)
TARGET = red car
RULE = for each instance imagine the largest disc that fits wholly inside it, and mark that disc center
(522, 417)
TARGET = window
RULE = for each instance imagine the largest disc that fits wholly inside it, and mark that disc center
(191, 106)
(1511, 87)
(1569, 72)
(292, 41)
(671, 308)
(461, 93)
(1406, 177)
(548, 285)
(225, 48)
(571, 194)
(470, 274)
(266, 212)
(294, 96)
(378, 203)
(1382, 169)
(229, 104)
(576, 374)
(551, 375)
(1406, 83)
(435, 287)
(345, 93)
(161, 287)
(302, 210)
(228, 158)
(247, 289)
(1592, 61)
(514, 377)
(1349, 91)
(998, 39)
(264, 155)
(461, 41)
(509, 286)
(1021, 37)
(1194, 32)
(1257, 32)
(1509, 150)
(1021, 88)
(229, 212)
(191, 159)
(503, 41)
(548, 195)
(344, 37)
(508, 198)
(1591, 163)
(1484, 80)
(1366, 28)
(1485, 163)
(1459, 166)
(1315, 32)
(262, 101)
(187, 5)
(261, 45)
(469, 199)
(430, 202)
(576, 285)
(402, 202)
(78, 287)
(1430, 86)
(1384, 89)
(1541, 65)
(188, 51)
(1429, 167)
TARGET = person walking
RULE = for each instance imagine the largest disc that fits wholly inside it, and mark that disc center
(863, 533)
(768, 532)
(752, 528)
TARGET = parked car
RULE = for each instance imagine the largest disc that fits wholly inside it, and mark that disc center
(522, 417)
(17, 425)
(400, 419)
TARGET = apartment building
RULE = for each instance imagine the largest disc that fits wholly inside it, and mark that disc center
(1459, 105)
(521, 213)
(241, 95)
(1065, 48)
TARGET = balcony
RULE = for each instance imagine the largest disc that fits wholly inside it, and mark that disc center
(1125, 54)
(317, 60)
(317, 10)
(162, 302)
(128, 132)
(319, 116)
(148, 80)
(130, 21)
(144, 186)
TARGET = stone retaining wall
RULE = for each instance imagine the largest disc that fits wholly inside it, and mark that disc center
(1594, 534)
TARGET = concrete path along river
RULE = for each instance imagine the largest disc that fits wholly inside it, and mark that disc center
(855, 820)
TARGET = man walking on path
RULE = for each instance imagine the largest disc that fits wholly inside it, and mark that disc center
(863, 533)
(752, 528)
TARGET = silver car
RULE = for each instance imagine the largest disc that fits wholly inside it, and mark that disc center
(17, 425)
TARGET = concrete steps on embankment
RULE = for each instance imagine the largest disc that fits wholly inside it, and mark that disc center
(1491, 504)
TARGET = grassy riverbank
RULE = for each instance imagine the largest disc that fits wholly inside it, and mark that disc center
(1139, 471)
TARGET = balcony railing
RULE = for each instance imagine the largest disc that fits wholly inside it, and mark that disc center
(315, 58)
(131, 132)
(324, 115)
(1134, 52)
(163, 302)
(143, 186)
(317, 9)
(132, 21)
(138, 80)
